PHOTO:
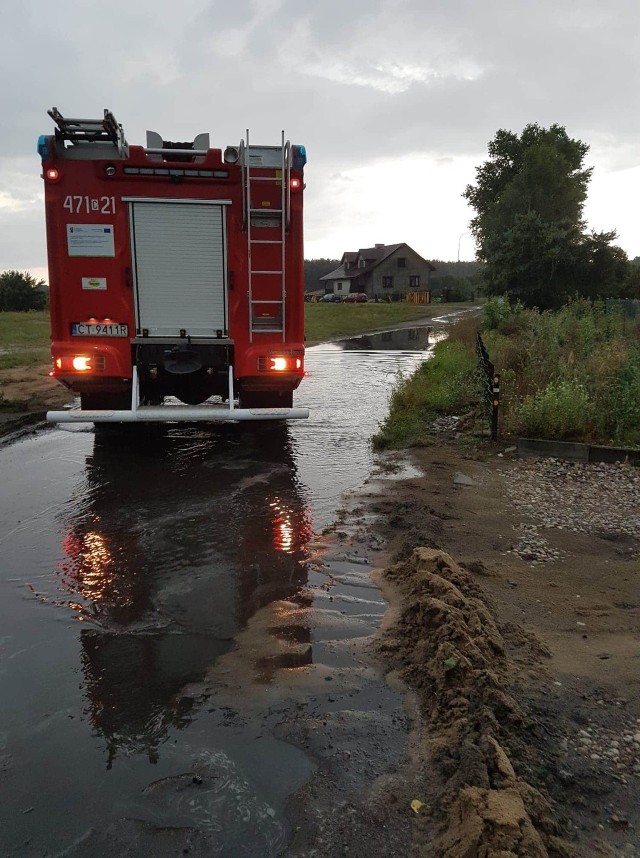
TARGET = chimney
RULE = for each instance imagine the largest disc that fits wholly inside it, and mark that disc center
(379, 245)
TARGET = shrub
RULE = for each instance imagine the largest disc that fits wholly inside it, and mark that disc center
(621, 403)
(445, 384)
(561, 410)
(571, 373)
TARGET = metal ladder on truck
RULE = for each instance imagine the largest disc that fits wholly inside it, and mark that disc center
(105, 130)
(274, 166)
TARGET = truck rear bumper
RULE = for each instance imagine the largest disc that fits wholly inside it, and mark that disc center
(176, 413)
(170, 413)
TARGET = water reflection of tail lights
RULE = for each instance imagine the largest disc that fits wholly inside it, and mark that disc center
(151, 634)
(90, 568)
(108, 577)
(291, 528)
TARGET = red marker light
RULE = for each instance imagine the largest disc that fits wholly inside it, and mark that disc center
(295, 184)
(52, 175)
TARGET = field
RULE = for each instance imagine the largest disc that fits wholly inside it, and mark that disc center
(24, 339)
(25, 357)
(330, 321)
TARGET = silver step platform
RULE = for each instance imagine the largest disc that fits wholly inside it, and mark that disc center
(207, 412)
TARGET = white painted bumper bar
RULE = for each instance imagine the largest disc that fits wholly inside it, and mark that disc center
(176, 413)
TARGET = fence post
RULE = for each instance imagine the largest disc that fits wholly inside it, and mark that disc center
(495, 405)
(491, 385)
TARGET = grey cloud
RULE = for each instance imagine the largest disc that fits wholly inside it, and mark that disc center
(355, 81)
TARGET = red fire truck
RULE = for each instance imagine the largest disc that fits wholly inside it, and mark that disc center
(175, 274)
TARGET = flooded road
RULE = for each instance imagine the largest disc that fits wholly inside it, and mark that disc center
(178, 654)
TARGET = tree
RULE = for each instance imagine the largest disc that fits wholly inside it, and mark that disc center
(528, 261)
(601, 263)
(314, 269)
(529, 228)
(21, 292)
(541, 171)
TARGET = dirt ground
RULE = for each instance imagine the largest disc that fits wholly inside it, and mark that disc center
(525, 658)
(26, 393)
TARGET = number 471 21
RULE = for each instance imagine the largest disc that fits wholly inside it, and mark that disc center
(90, 205)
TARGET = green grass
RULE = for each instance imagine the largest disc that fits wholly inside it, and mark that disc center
(330, 321)
(446, 384)
(573, 374)
(24, 339)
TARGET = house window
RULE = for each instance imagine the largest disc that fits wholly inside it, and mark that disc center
(387, 282)
(361, 263)
(414, 281)
(402, 262)
(338, 286)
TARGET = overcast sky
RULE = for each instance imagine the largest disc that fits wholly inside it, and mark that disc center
(395, 100)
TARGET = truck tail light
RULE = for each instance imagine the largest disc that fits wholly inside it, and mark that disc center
(295, 184)
(52, 175)
(79, 363)
(279, 363)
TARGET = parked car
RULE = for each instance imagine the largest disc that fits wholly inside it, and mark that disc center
(356, 298)
(331, 298)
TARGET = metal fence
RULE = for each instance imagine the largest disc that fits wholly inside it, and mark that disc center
(490, 386)
(628, 307)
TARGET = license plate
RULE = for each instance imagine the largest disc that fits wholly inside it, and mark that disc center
(99, 329)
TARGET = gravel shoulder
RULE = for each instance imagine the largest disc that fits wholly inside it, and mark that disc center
(515, 594)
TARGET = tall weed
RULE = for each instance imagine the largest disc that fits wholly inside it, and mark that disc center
(561, 410)
(568, 374)
(445, 384)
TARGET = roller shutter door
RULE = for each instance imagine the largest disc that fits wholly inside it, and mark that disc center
(179, 268)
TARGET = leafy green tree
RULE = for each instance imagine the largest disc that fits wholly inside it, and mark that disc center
(21, 292)
(529, 227)
(528, 261)
(314, 269)
(600, 264)
(542, 170)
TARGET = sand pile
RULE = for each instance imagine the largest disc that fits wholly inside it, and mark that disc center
(449, 649)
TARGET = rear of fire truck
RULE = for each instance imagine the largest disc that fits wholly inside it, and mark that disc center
(175, 274)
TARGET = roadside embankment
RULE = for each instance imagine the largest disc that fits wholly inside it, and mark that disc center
(450, 649)
(27, 393)
(514, 617)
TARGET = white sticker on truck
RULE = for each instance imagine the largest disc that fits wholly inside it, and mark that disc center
(90, 239)
(94, 283)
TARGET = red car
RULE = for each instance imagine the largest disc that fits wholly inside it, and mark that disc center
(356, 298)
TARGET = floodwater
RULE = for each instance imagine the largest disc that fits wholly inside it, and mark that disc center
(169, 630)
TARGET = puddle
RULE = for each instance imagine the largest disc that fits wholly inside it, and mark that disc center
(165, 617)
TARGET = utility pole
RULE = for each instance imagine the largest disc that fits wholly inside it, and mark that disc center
(459, 240)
